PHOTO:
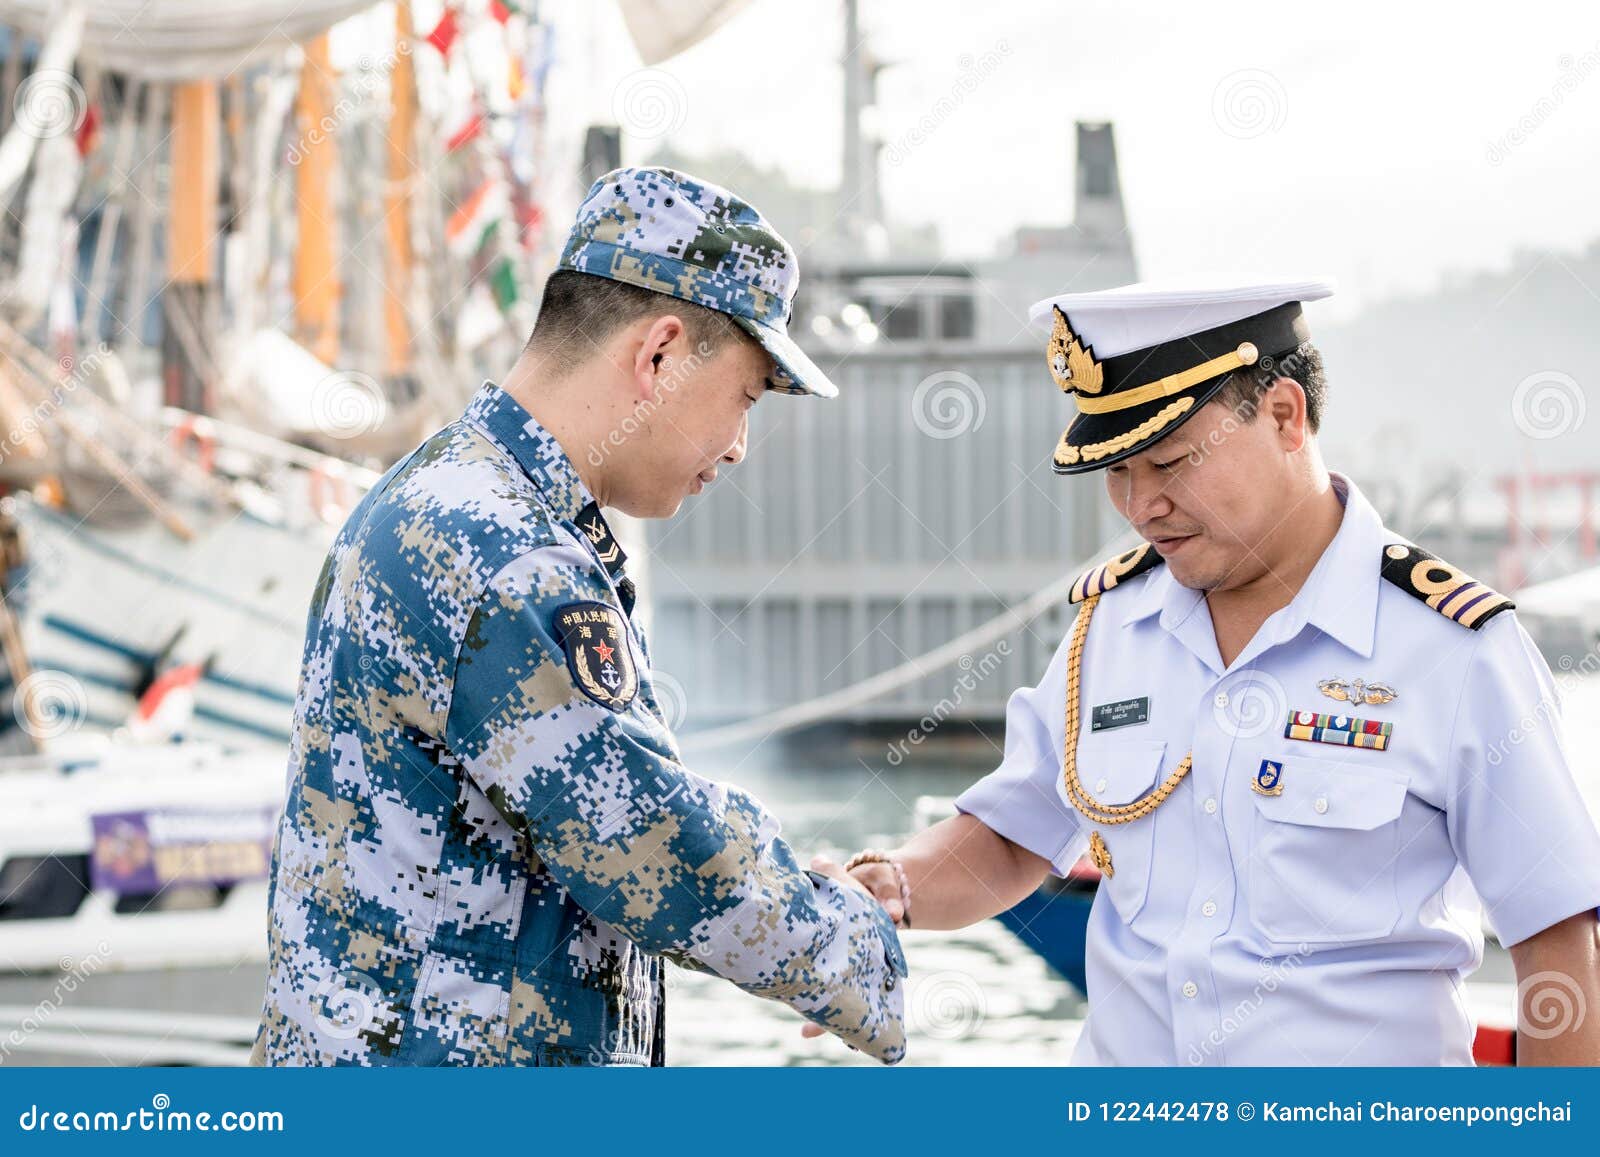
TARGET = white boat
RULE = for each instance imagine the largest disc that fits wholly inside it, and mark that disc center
(110, 601)
(135, 858)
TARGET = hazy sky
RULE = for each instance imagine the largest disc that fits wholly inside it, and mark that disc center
(1367, 140)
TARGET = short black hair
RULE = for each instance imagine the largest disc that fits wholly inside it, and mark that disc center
(580, 310)
(1242, 392)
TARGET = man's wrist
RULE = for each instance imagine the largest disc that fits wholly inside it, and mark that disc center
(874, 856)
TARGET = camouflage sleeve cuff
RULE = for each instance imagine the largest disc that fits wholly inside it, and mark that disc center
(867, 1007)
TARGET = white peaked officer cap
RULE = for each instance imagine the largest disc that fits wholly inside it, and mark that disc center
(1140, 360)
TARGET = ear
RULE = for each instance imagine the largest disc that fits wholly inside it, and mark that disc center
(1285, 404)
(654, 352)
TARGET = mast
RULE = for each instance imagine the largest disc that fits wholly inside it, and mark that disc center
(850, 178)
(191, 234)
(397, 197)
(315, 282)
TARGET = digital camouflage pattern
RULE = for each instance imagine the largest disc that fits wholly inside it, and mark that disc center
(481, 863)
(675, 234)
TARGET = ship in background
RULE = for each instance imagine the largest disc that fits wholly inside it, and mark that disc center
(866, 533)
(869, 530)
(916, 506)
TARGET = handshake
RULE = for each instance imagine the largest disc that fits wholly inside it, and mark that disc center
(948, 876)
(878, 874)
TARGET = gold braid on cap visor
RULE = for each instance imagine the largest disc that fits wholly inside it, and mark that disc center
(1092, 808)
(1068, 455)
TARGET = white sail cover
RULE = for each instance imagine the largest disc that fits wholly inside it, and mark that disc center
(184, 39)
(664, 28)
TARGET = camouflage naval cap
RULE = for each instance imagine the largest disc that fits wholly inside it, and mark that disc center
(690, 239)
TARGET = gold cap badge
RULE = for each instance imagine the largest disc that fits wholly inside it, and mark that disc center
(1072, 364)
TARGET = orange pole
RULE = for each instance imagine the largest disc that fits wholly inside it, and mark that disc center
(397, 201)
(196, 170)
(315, 282)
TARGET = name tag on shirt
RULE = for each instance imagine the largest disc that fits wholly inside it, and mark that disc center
(1122, 713)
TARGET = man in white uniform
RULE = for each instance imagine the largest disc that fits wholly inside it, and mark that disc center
(1299, 748)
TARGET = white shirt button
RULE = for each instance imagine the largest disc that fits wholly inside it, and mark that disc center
(1221, 699)
(1321, 805)
(1191, 989)
(1211, 807)
(1099, 785)
(1209, 908)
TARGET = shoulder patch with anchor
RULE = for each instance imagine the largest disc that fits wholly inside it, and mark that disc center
(1457, 596)
(595, 639)
(1097, 580)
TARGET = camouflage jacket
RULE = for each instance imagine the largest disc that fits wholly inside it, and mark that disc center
(490, 844)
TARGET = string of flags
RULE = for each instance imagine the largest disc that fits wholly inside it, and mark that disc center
(492, 133)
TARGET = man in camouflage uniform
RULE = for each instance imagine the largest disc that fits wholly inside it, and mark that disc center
(490, 844)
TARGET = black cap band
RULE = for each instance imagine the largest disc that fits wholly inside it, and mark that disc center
(1274, 333)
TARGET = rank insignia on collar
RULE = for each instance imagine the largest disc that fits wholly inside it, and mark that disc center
(1340, 730)
(595, 528)
(1357, 691)
(1269, 778)
(595, 638)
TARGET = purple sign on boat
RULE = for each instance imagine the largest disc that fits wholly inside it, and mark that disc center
(141, 853)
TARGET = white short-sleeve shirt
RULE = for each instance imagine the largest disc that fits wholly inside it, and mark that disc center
(1332, 923)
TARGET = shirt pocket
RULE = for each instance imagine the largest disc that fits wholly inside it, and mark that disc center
(1115, 774)
(1323, 853)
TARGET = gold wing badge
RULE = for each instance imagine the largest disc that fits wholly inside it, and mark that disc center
(1072, 363)
(1357, 691)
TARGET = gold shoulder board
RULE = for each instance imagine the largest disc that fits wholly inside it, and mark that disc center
(1097, 580)
(1458, 597)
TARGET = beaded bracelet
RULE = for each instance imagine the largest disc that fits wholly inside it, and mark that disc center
(873, 856)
